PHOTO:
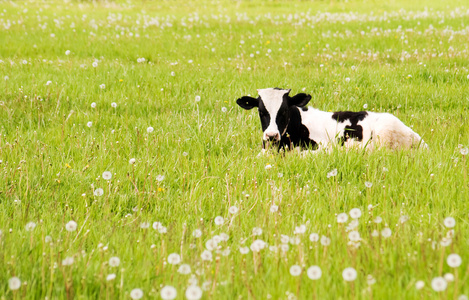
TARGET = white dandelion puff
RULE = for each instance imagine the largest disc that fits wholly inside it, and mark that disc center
(150, 129)
(219, 220)
(71, 226)
(107, 175)
(30, 226)
(136, 294)
(342, 218)
(332, 173)
(386, 232)
(256, 231)
(419, 285)
(314, 237)
(295, 270)
(355, 213)
(439, 284)
(14, 283)
(197, 233)
(314, 272)
(168, 293)
(193, 292)
(206, 255)
(114, 261)
(349, 274)
(89, 124)
(244, 250)
(233, 210)
(325, 241)
(98, 192)
(110, 277)
(454, 260)
(174, 258)
(68, 261)
(273, 208)
(448, 277)
(449, 222)
(184, 269)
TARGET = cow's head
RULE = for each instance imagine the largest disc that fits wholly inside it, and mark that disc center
(274, 110)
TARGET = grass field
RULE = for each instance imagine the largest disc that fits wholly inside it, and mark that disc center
(121, 117)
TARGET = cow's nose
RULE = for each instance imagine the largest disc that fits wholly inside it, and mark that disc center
(272, 136)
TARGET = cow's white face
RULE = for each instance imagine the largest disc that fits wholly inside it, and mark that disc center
(274, 110)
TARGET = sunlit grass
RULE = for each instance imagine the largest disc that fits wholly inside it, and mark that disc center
(185, 176)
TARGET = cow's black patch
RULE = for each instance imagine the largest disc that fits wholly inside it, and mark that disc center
(353, 131)
(264, 115)
(297, 135)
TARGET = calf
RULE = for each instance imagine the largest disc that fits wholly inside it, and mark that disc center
(287, 123)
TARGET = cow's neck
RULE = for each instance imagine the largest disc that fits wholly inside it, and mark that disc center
(297, 135)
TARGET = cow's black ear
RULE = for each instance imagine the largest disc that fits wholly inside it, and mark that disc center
(247, 102)
(299, 100)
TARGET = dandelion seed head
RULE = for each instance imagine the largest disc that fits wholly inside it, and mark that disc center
(68, 261)
(14, 283)
(110, 277)
(184, 269)
(448, 277)
(114, 261)
(168, 293)
(98, 192)
(349, 274)
(386, 232)
(219, 220)
(136, 294)
(314, 272)
(449, 222)
(295, 270)
(233, 210)
(107, 175)
(355, 213)
(439, 284)
(314, 237)
(193, 292)
(71, 226)
(30, 226)
(342, 218)
(419, 285)
(325, 241)
(454, 260)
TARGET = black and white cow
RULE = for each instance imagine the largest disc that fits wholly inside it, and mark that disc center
(287, 122)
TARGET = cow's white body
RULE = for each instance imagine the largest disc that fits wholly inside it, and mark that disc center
(379, 129)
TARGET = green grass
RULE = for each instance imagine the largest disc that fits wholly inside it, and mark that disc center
(52, 162)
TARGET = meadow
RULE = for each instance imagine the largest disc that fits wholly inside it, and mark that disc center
(129, 172)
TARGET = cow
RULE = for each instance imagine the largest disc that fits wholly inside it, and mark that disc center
(287, 123)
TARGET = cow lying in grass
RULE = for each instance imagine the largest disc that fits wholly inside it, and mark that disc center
(288, 123)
